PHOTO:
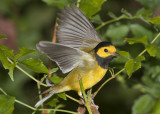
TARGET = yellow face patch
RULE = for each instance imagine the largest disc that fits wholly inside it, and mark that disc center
(106, 51)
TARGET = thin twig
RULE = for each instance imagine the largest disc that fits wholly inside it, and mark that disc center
(3, 91)
(39, 92)
(28, 106)
(114, 20)
(18, 101)
(72, 98)
(59, 110)
(54, 34)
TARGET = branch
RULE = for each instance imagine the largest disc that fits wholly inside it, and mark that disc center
(114, 20)
(18, 101)
(72, 98)
(59, 110)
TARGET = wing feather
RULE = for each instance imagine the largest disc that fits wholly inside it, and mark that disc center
(75, 30)
(67, 58)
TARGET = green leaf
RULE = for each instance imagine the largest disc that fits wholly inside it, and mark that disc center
(152, 50)
(2, 36)
(96, 19)
(156, 109)
(129, 67)
(137, 40)
(139, 58)
(5, 63)
(62, 95)
(90, 7)
(58, 3)
(145, 13)
(34, 65)
(117, 32)
(112, 15)
(140, 31)
(4, 59)
(6, 104)
(53, 102)
(55, 79)
(150, 3)
(10, 73)
(23, 52)
(155, 20)
(133, 64)
(8, 52)
(124, 53)
(143, 105)
(53, 70)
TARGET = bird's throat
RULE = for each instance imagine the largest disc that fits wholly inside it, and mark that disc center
(103, 62)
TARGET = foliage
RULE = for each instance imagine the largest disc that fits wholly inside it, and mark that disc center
(136, 35)
(6, 104)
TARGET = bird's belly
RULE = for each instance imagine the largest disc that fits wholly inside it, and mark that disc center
(89, 78)
(93, 77)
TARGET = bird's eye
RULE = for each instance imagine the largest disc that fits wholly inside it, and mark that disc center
(105, 50)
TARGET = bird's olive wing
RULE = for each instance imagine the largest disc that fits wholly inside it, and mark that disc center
(67, 58)
(75, 30)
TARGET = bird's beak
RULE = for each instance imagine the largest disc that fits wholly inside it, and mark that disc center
(115, 54)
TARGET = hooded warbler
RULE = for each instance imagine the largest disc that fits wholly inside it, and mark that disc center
(79, 51)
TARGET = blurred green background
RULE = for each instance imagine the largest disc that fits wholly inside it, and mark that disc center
(26, 22)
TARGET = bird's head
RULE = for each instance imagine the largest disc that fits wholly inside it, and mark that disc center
(104, 53)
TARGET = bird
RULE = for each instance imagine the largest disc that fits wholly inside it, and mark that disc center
(79, 51)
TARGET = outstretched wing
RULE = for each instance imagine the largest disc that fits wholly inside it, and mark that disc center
(67, 58)
(75, 30)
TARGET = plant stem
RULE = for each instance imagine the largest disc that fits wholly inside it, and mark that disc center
(31, 76)
(142, 52)
(39, 92)
(71, 112)
(114, 20)
(3, 91)
(157, 36)
(18, 100)
(73, 99)
(32, 108)
(28, 74)
(25, 104)
(84, 95)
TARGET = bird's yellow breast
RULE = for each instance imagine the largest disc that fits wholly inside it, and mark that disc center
(90, 76)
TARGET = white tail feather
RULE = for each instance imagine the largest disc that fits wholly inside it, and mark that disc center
(43, 100)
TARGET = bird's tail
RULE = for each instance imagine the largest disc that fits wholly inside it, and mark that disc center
(51, 91)
(44, 99)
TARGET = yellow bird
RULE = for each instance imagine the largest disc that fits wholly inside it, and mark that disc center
(79, 51)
